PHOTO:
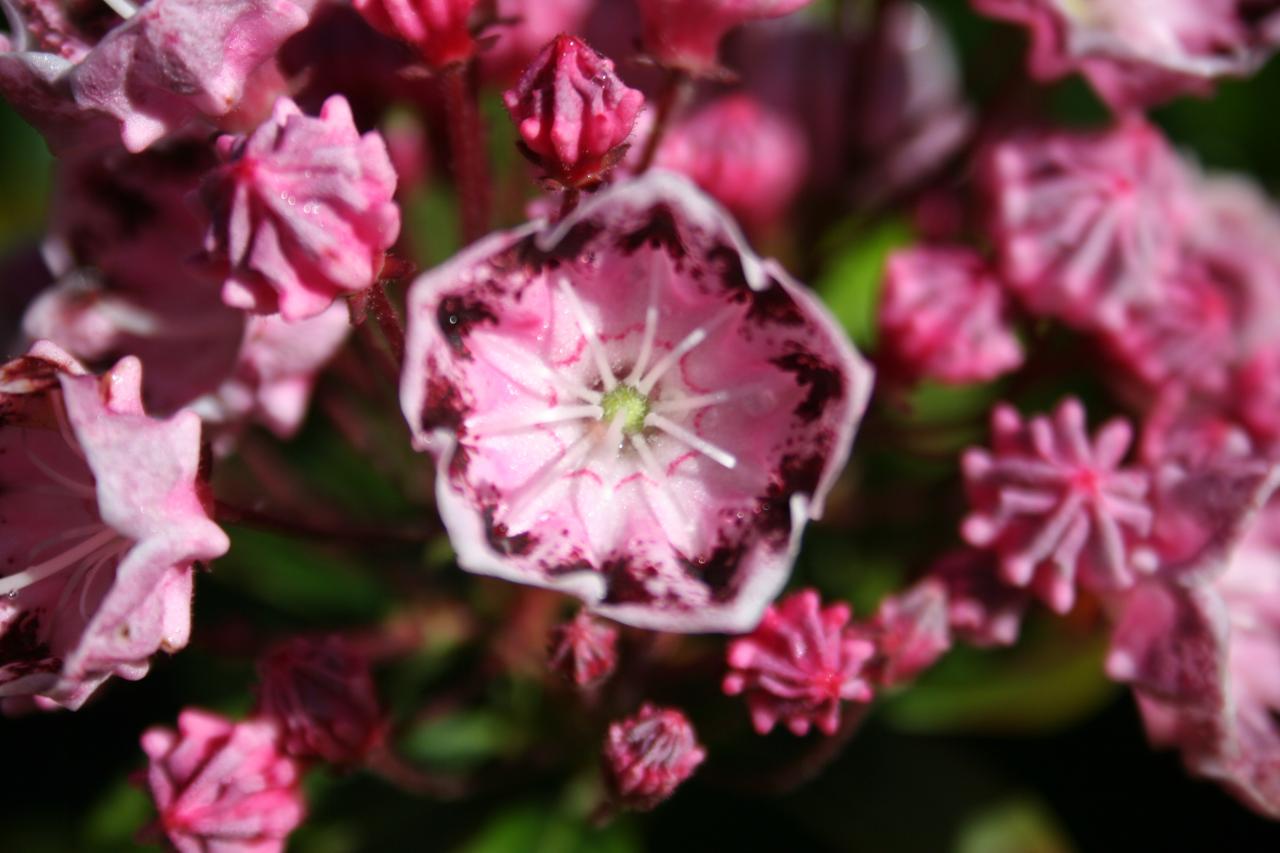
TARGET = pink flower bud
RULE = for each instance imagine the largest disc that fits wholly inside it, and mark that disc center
(648, 756)
(799, 665)
(911, 632)
(302, 211)
(221, 785)
(583, 650)
(573, 113)
(439, 29)
(1056, 506)
(321, 694)
(686, 34)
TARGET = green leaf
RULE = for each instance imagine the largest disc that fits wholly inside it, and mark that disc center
(114, 821)
(850, 285)
(462, 740)
(1020, 825)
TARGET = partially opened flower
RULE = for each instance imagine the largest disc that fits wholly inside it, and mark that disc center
(1088, 225)
(104, 523)
(648, 756)
(222, 786)
(1138, 53)
(911, 631)
(439, 29)
(686, 34)
(1056, 506)
(320, 694)
(573, 113)
(631, 407)
(171, 62)
(802, 663)
(302, 211)
(944, 316)
(1204, 657)
(583, 650)
(752, 160)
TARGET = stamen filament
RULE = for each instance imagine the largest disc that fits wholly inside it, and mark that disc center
(539, 483)
(692, 439)
(123, 8)
(78, 489)
(650, 329)
(690, 342)
(40, 571)
(502, 354)
(588, 330)
(688, 404)
(496, 424)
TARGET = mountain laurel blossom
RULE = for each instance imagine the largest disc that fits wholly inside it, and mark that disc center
(104, 520)
(800, 665)
(631, 407)
(648, 756)
(439, 29)
(302, 211)
(686, 34)
(583, 650)
(1057, 507)
(221, 785)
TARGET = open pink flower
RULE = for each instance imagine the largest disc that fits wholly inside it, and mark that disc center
(104, 522)
(121, 234)
(801, 664)
(439, 29)
(523, 30)
(583, 650)
(223, 786)
(170, 62)
(943, 316)
(648, 756)
(302, 211)
(752, 160)
(686, 34)
(1055, 506)
(320, 694)
(573, 113)
(1202, 650)
(631, 407)
(1138, 53)
(1088, 225)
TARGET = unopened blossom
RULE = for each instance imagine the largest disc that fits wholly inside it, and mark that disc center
(648, 756)
(800, 665)
(169, 63)
(1204, 657)
(631, 407)
(320, 694)
(523, 29)
(1057, 507)
(910, 632)
(439, 29)
(583, 650)
(1088, 226)
(573, 113)
(302, 211)
(944, 316)
(221, 785)
(121, 233)
(982, 609)
(686, 34)
(752, 160)
(1138, 53)
(105, 521)
(1255, 393)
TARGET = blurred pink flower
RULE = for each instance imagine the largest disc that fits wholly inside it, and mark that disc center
(573, 113)
(1088, 226)
(686, 34)
(752, 160)
(1057, 508)
(439, 29)
(302, 211)
(982, 609)
(222, 786)
(911, 631)
(170, 62)
(800, 665)
(320, 694)
(583, 650)
(104, 521)
(648, 756)
(631, 407)
(943, 316)
(524, 28)
(1139, 53)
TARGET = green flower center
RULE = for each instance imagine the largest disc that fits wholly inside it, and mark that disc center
(630, 404)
